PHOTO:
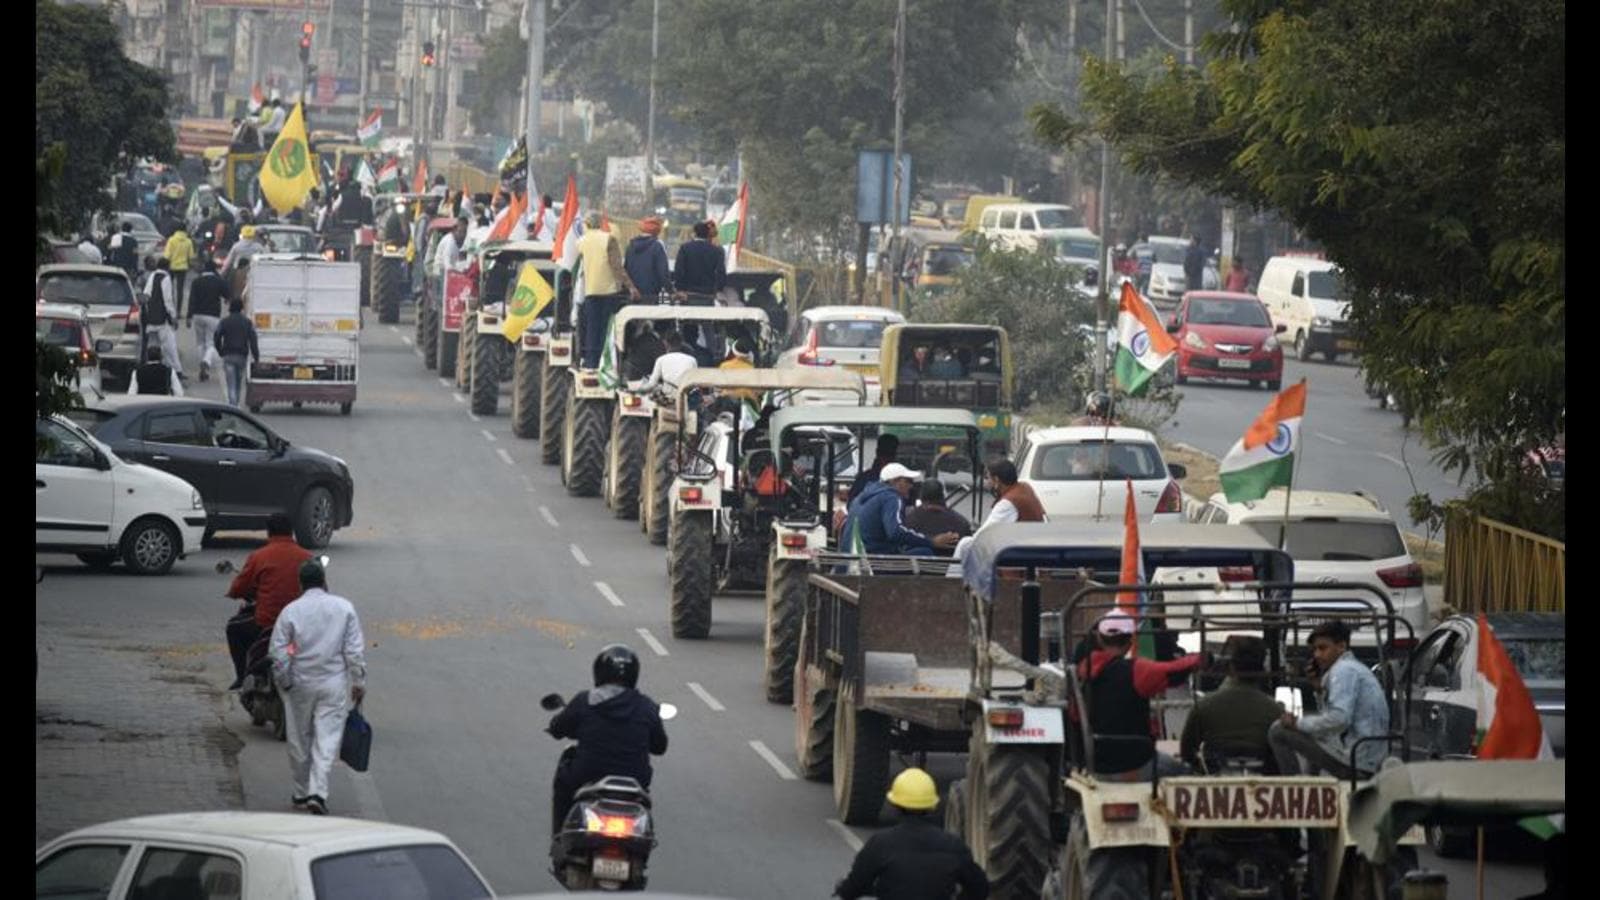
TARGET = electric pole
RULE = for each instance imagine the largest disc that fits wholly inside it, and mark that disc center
(536, 11)
(650, 119)
(1102, 308)
(899, 171)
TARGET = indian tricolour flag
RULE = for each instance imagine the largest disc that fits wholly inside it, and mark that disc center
(1143, 346)
(1264, 458)
(1133, 573)
(731, 230)
(371, 128)
(389, 177)
(1508, 722)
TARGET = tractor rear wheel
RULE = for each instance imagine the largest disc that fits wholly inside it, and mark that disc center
(526, 386)
(689, 568)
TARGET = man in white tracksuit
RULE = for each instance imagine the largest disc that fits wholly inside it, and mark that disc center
(320, 667)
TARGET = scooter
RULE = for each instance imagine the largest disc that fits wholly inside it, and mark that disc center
(606, 838)
(258, 693)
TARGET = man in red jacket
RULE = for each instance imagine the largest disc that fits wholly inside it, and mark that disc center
(1118, 690)
(271, 578)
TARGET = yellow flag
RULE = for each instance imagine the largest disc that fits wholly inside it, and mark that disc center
(531, 295)
(289, 173)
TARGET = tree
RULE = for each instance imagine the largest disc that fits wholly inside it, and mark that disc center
(500, 81)
(102, 108)
(1423, 143)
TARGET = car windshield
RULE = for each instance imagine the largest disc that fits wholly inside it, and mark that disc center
(1058, 218)
(1538, 659)
(59, 332)
(139, 221)
(946, 260)
(431, 871)
(86, 290)
(1094, 460)
(865, 334)
(290, 241)
(1078, 248)
(1328, 285)
(1248, 313)
(1168, 253)
(1335, 540)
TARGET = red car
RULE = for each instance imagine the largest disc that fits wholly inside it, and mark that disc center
(1226, 335)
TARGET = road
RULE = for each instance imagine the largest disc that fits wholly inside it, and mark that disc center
(1348, 443)
(483, 586)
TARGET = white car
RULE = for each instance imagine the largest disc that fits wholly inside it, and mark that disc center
(106, 295)
(1167, 279)
(1080, 472)
(252, 855)
(1332, 537)
(848, 336)
(89, 502)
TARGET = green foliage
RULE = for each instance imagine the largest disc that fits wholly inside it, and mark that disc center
(500, 76)
(1422, 143)
(55, 387)
(102, 107)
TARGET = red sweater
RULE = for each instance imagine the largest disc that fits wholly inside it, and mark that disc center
(1149, 676)
(272, 576)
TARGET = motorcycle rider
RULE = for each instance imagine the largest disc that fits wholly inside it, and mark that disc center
(271, 579)
(1098, 412)
(617, 729)
(916, 858)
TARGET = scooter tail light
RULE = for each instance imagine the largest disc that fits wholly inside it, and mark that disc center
(610, 826)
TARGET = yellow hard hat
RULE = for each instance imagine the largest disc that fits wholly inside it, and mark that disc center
(913, 789)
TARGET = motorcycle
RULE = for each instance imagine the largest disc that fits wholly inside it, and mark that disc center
(258, 693)
(605, 840)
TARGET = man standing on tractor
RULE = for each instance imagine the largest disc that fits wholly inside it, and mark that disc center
(916, 858)
(605, 285)
(646, 261)
(702, 268)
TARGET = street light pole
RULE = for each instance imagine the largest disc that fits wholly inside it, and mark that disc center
(899, 171)
(536, 15)
(650, 121)
(1103, 304)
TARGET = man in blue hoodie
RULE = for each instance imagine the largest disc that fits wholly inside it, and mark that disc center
(616, 727)
(875, 526)
(646, 261)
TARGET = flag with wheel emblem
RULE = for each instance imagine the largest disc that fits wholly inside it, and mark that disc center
(289, 173)
(389, 177)
(1264, 458)
(528, 299)
(1143, 346)
(1509, 726)
(371, 129)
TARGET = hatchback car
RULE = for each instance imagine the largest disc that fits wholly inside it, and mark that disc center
(848, 336)
(254, 854)
(1225, 335)
(107, 297)
(90, 502)
(244, 470)
(1080, 473)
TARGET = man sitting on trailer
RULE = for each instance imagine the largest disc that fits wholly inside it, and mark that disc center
(875, 525)
(1233, 720)
(1118, 688)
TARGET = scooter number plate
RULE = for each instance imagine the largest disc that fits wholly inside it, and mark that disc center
(610, 869)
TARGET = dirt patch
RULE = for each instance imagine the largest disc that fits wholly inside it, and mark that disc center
(1203, 479)
(434, 629)
(1428, 554)
(423, 629)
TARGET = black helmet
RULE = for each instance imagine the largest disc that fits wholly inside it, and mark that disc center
(1099, 404)
(616, 664)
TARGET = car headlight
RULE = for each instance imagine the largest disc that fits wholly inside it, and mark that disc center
(194, 499)
(1270, 344)
(1319, 322)
(1194, 340)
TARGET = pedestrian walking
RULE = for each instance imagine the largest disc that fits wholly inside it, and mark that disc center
(125, 250)
(916, 858)
(205, 313)
(154, 376)
(180, 256)
(235, 341)
(319, 666)
(1238, 276)
(90, 252)
(160, 316)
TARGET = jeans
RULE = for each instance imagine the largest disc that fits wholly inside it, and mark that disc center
(593, 315)
(1290, 744)
(235, 369)
(178, 276)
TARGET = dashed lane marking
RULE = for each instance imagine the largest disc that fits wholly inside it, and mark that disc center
(606, 592)
(1385, 456)
(444, 383)
(488, 435)
(405, 340)
(458, 398)
(549, 516)
(703, 694)
(394, 328)
(473, 416)
(648, 638)
(772, 759)
(844, 831)
(505, 457)
(577, 554)
(1330, 438)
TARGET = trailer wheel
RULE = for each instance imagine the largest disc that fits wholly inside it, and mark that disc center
(485, 388)
(689, 568)
(1008, 815)
(388, 286)
(525, 389)
(628, 434)
(420, 322)
(586, 445)
(1111, 873)
(466, 344)
(553, 389)
(663, 468)
(813, 724)
(428, 341)
(860, 760)
(786, 600)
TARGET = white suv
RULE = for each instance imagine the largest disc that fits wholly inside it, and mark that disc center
(89, 502)
(1080, 472)
(1332, 537)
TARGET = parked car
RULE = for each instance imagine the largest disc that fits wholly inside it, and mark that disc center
(847, 336)
(65, 251)
(245, 471)
(1080, 473)
(67, 326)
(1307, 297)
(1332, 537)
(1223, 335)
(1442, 719)
(254, 854)
(1161, 268)
(107, 297)
(90, 502)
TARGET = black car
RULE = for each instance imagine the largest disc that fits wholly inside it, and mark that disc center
(244, 471)
(1442, 720)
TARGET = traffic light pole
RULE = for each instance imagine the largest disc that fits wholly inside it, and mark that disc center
(536, 10)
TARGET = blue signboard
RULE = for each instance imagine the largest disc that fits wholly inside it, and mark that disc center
(875, 187)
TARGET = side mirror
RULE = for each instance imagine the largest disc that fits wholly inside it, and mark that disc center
(1280, 329)
(104, 345)
(552, 702)
(102, 462)
(668, 712)
(1178, 471)
(1172, 325)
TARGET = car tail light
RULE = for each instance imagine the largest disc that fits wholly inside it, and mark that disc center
(689, 494)
(1407, 576)
(794, 541)
(1171, 499)
(1402, 645)
(1119, 812)
(132, 324)
(610, 826)
(1235, 574)
(809, 357)
(1005, 718)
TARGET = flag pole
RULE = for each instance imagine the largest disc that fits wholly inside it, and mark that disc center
(1480, 862)
(1105, 454)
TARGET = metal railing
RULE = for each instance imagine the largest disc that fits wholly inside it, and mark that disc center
(1490, 566)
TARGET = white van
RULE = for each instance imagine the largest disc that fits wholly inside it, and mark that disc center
(1019, 226)
(1306, 296)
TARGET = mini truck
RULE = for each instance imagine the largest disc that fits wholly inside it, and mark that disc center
(980, 378)
(307, 315)
(730, 513)
(488, 357)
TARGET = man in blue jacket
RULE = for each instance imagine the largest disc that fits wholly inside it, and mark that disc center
(874, 525)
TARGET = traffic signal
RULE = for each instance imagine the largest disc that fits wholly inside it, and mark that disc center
(427, 54)
(306, 31)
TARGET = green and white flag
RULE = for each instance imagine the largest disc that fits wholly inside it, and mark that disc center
(370, 129)
(610, 377)
(365, 178)
(389, 177)
(1143, 346)
(1264, 458)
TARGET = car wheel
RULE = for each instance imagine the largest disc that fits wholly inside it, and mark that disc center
(1182, 378)
(100, 561)
(315, 523)
(150, 546)
(1302, 346)
(1275, 384)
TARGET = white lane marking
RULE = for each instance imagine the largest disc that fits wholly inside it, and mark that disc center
(369, 804)
(849, 836)
(487, 435)
(405, 340)
(394, 328)
(458, 398)
(549, 516)
(505, 457)
(577, 554)
(703, 694)
(648, 638)
(610, 595)
(772, 759)
(1330, 438)
(473, 416)
(444, 383)
(1385, 456)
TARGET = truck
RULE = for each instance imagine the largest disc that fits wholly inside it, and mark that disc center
(307, 315)
(977, 375)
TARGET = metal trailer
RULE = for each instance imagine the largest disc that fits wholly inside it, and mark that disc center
(489, 357)
(308, 318)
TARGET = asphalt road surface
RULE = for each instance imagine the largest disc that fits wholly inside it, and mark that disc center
(1348, 443)
(482, 586)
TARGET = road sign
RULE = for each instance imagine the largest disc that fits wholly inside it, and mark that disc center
(875, 187)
